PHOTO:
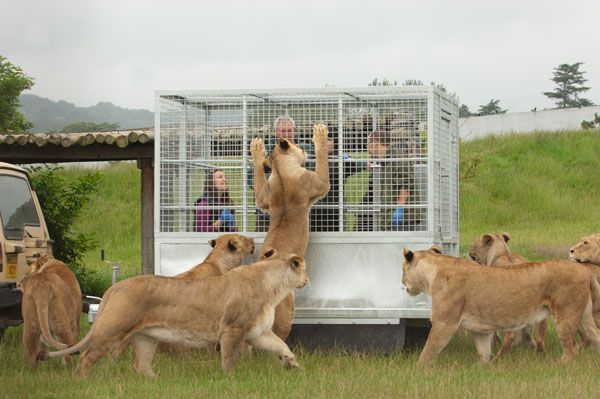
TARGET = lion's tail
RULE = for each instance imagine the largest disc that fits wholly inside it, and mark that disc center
(45, 355)
(42, 304)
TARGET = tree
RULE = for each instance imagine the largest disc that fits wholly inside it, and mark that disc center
(62, 202)
(384, 82)
(89, 127)
(12, 82)
(463, 111)
(569, 80)
(491, 108)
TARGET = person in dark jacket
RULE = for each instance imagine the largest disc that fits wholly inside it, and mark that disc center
(210, 216)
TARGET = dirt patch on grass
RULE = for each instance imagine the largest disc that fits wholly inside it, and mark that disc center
(552, 252)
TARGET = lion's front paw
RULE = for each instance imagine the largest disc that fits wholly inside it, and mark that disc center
(289, 362)
(257, 149)
(320, 134)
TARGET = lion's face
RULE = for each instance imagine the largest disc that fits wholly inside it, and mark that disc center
(408, 273)
(234, 243)
(587, 250)
(288, 149)
(298, 265)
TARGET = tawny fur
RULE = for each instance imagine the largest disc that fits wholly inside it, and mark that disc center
(486, 299)
(229, 251)
(230, 309)
(492, 250)
(587, 250)
(51, 307)
(287, 196)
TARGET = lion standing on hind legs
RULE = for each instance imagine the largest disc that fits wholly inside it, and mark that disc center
(287, 196)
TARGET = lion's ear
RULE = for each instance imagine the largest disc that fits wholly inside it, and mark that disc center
(212, 243)
(436, 250)
(269, 253)
(487, 239)
(408, 255)
(506, 237)
(284, 144)
(296, 262)
(231, 246)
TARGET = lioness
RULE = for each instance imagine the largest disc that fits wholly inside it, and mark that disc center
(587, 253)
(587, 250)
(51, 307)
(486, 299)
(287, 196)
(229, 251)
(230, 309)
(492, 250)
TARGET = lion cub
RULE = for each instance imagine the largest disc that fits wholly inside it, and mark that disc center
(287, 196)
(51, 307)
(486, 299)
(230, 309)
(492, 250)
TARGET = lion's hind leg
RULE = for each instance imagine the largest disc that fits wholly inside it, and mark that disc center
(588, 326)
(483, 343)
(268, 341)
(507, 342)
(31, 342)
(566, 327)
(144, 348)
(540, 333)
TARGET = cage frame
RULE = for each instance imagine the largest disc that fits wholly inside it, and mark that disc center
(440, 107)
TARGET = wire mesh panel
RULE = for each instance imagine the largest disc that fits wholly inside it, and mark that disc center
(393, 171)
(377, 151)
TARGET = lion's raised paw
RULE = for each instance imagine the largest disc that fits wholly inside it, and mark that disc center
(257, 148)
(320, 133)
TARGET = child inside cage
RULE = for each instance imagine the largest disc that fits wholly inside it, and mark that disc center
(209, 218)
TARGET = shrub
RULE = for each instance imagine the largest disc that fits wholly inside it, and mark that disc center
(61, 203)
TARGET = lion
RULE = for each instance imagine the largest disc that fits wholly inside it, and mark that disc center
(287, 196)
(492, 250)
(51, 307)
(587, 253)
(587, 250)
(486, 299)
(229, 251)
(229, 309)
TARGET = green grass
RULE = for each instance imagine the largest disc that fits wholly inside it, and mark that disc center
(542, 188)
(456, 373)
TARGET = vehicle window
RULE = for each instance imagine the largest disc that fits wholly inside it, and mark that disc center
(16, 207)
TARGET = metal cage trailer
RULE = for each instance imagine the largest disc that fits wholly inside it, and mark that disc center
(393, 160)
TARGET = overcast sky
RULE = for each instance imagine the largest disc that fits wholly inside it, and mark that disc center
(84, 51)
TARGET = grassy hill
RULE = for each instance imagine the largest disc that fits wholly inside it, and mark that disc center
(542, 188)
